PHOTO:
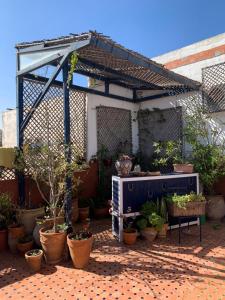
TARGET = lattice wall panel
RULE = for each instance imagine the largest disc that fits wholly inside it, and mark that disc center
(213, 79)
(158, 125)
(114, 129)
(47, 121)
(7, 174)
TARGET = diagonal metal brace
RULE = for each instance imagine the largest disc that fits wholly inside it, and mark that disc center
(43, 92)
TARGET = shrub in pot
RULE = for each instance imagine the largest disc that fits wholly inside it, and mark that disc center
(129, 233)
(6, 217)
(25, 244)
(204, 133)
(80, 245)
(33, 259)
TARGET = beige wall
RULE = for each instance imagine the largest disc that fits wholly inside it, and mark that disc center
(9, 131)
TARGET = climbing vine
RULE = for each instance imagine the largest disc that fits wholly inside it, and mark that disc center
(73, 64)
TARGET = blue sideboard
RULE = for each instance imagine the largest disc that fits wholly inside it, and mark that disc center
(128, 195)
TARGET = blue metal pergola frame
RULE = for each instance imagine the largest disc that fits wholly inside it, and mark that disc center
(109, 75)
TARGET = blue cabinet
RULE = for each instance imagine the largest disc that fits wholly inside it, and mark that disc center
(128, 194)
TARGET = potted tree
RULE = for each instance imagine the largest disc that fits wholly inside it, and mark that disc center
(6, 218)
(170, 152)
(33, 259)
(204, 134)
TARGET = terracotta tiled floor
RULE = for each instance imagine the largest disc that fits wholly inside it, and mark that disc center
(163, 270)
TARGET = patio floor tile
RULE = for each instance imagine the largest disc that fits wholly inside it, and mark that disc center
(162, 270)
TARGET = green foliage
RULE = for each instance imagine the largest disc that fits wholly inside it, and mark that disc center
(148, 208)
(7, 210)
(167, 152)
(163, 209)
(156, 221)
(142, 223)
(73, 64)
(182, 200)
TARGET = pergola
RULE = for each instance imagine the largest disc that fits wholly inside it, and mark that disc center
(99, 58)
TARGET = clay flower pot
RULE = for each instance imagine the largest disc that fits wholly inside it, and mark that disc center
(149, 233)
(183, 168)
(24, 247)
(53, 245)
(163, 232)
(33, 258)
(130, 236)
(80, 250)
(83, 213)
(3, 240)
(15, 232)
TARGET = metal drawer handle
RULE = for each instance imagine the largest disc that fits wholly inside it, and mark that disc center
(164, 187)
(130, 187)
(150, 194)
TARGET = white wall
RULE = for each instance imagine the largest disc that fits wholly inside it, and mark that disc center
(94, 100)
(9, 131)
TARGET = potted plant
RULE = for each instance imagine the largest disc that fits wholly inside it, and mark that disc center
(6, 217)
(150, 222)
(129, 233)
(205, 136)
(75, 193)
(33, 259)
(15, 231)
(25, 244)
(170, 152)
(80, 245)
(123, 165)
(101, 207)
(186, 205)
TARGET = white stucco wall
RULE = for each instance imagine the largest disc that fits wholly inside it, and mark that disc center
(9, 133)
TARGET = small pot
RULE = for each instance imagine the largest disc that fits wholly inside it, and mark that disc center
(14, 233)
(83, 213)
(129, 236)
(101, 212)
(80, 251)
(163, 232)
(53, 245)
(149, 233)
(24, 247)
(34, 261)
(3, 240)
(183, 168)
(215, 207)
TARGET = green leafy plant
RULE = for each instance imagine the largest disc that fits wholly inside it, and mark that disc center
(34, 252)
(182, 200)
(156, 221)
(73, 64)
(7, 210)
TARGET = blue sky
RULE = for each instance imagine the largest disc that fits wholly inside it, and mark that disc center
(151, 27)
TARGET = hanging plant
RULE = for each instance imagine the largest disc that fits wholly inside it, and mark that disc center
(73, 64)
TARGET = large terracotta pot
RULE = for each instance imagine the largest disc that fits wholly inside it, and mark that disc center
(163, 232)
(123, 167)
(53, 245)
(215, 207)
(27, 217)
(3, 239)
(83, 213)
(24, 247)
(101, 212)
(14, 233)
(183, 168)
(34, 261)
(130, 236)
(79, 251)
(149, 233)
(41, 223)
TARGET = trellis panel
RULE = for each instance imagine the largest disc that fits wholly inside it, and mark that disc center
(114, 129)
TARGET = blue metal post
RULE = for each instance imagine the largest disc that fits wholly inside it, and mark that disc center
(68, 196)
(21, 179)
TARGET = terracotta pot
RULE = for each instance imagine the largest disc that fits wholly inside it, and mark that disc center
(14, 233)
(83, 213)
(130, 236)
(149, 233)
(34, 261)
(183, 168)
(45, 223)
(101, 212)
(27, 217)
(3, 240)
(215, 207)
(75, 211)
(24, 247)
(80, 251)
(123, 167)
(163, 232)
(53, 245)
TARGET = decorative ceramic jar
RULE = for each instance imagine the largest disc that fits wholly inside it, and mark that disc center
(123, 165)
